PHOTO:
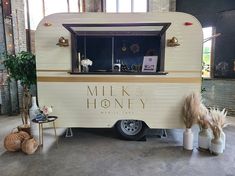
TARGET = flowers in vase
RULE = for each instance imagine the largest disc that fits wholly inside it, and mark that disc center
(85, 63)
(44, 112)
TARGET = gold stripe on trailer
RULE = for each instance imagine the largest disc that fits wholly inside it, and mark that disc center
(119, 79)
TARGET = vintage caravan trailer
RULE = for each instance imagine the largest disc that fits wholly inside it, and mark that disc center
(143, 65)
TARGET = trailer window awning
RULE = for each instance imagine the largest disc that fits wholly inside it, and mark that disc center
(122, 29)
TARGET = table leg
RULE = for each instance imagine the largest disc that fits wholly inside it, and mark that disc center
(42, 132)
(55, 133)
(39, 127)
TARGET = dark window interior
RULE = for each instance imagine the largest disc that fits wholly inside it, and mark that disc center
(105, 48)
(97, 49)
(136, 48)
(127, 50)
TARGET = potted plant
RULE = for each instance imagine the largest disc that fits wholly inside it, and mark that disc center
(204, 135)
(191, 109)
(22, 67)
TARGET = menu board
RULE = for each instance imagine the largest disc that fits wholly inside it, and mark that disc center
(149, 64)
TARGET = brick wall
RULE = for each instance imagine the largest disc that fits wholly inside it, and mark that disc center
(18, 19)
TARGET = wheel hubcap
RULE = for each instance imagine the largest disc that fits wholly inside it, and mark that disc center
(131, 127)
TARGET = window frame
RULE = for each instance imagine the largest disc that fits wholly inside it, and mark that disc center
(74, 34)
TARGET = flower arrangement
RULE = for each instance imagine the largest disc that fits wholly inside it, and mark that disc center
(86, 62)
(44, 112)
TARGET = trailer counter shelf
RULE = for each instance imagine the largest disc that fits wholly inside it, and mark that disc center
(130, 100)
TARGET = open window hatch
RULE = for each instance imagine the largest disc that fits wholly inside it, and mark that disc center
(120, 48)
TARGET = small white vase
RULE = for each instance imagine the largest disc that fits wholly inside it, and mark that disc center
(223, 138)
(188, 139)
(33, 111)
(204, 139)
(85, 69)
(216, 146)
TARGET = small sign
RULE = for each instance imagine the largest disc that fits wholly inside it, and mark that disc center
(149, 64)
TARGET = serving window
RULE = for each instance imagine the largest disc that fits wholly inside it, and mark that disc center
(118, 48)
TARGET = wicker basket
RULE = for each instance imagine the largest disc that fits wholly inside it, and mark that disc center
(29, 146)
(23, 135)
(12, 141)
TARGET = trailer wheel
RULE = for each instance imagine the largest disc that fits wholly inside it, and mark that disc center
(131, 129)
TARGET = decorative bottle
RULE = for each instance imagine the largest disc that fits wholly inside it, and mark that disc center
(188, 139)
(223, 138)
(204, 139)
(216, 142)
(33, 111)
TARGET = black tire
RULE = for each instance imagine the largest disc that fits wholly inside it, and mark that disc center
(129, 132)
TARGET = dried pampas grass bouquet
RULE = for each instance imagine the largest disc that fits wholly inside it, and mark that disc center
(191, 109)
(203, 117)
(219, 117)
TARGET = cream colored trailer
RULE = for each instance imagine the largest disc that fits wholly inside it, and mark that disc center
(102, 100)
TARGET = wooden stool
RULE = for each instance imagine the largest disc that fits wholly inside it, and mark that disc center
(40, 123)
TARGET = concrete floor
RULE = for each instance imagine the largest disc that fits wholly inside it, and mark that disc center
(99, 152)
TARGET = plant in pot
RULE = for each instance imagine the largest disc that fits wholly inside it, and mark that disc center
(22, 67)
(204, 135)
(191, 109)
(219, 119)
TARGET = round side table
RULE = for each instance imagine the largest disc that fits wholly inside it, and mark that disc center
(40, 123)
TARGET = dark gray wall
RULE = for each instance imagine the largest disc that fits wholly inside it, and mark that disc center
(221, 15)
(207, 11)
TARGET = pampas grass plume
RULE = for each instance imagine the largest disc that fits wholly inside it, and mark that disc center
(191, 109)
(218, 117)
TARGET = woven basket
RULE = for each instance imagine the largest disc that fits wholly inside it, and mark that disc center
(23, 135)
(29, 146)
(12, 141)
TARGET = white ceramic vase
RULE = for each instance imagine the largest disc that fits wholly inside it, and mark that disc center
(85, 69)
(204, 139)
(188, 139)
(216, 146)
(33, 111)
(223, 138)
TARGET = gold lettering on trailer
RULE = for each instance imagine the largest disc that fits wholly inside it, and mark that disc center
(105, 103)
(110, 98)
(103, 90)
(142, 103)
(129, 103)
(124, 91)
(120, 104)
(111, 91)
(92, 93)
(91, 103)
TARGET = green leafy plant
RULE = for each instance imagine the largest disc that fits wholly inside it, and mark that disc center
(22, 67)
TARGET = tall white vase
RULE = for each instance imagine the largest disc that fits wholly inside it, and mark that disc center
(223, 139)
(204, 139)
(188, 139)
(33, 111)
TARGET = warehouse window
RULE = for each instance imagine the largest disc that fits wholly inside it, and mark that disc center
(122, 6)
(207, 52)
